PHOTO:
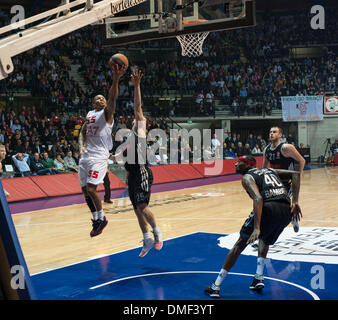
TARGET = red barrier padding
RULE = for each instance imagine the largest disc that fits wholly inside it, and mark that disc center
(182, 171)
(115, 183)
(35, 187)
(220, 167)
(215, 168)
(22, 189)
(68, 183)
(58, 184)
(259, 162)
(161, 174)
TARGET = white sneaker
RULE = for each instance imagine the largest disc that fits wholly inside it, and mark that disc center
(147, 245)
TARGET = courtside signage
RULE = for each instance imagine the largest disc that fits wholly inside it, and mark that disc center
(331, 105)
(310, 244)
(302, 108)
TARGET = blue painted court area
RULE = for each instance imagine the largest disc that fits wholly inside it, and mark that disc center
(180, 271)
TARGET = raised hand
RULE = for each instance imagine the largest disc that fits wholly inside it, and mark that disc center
(136, 77)
(118, 71)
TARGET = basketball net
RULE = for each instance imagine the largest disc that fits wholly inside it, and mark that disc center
(192, 44)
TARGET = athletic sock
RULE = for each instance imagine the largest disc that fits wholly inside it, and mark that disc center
(100, 214)
(156, 230)
(221, 276)
(95, 215)
(260, 267)
(146, 235)
(90, 204)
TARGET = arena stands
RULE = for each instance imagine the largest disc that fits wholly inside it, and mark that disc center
(243, 72)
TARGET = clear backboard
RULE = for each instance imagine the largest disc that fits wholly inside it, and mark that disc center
(158, 19)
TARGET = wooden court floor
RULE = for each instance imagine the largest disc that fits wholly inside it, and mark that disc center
(58, 237)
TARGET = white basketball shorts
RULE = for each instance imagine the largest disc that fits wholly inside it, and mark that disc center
(92, 171)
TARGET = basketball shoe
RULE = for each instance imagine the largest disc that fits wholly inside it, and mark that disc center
(212, 291)
(257, 284)
(98, 226)
(158, 243)
(147, 245)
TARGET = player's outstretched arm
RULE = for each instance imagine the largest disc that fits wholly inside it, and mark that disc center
(295, 208)
(290, 151)
(138, 113)
(295, 180)
(265, 160)
(136, 80)
(118, 72)
(285, 174)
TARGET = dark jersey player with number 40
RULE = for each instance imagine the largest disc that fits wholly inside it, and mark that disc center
(272, 212)
(270, 185)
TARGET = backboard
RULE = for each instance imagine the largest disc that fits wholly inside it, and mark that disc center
(152, 19)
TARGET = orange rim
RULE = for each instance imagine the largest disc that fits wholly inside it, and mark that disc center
(194, 21)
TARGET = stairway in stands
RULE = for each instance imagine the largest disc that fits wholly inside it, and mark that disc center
(73, 72)
(77, 76)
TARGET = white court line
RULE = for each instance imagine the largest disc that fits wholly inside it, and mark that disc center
(312, 294)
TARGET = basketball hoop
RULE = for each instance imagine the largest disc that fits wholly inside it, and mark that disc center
(192, 44)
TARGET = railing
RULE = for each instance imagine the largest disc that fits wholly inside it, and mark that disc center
(160, 107)
(173, 122)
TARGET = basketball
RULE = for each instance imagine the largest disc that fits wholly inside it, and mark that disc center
(120, 59)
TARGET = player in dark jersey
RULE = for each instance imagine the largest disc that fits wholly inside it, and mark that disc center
(282, 156)
(139, 175)
(272, 213)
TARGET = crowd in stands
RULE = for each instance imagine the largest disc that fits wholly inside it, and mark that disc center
(49, 145)
(39, 145)
(247, 69)
(234, 146)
